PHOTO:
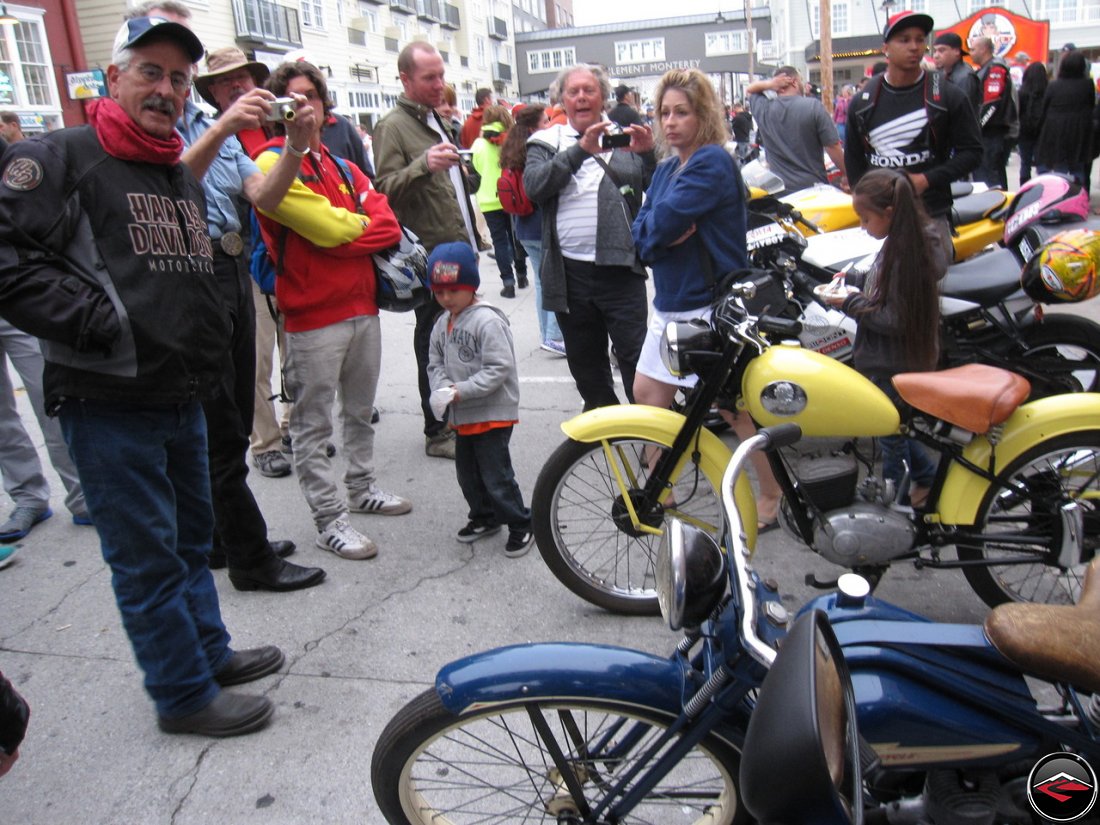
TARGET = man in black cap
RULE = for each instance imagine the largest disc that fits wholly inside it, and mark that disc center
(105, 256)
(947, 54)
(624, 112)
(910, 120)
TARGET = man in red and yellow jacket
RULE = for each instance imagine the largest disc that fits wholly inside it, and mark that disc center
(321, 237)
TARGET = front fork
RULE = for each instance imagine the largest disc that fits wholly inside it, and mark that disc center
(569, 804)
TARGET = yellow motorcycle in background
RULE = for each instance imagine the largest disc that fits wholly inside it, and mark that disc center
(1017, 492)
(977, 217)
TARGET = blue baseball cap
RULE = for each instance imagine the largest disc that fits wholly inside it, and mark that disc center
(454, 266)
(142, 30)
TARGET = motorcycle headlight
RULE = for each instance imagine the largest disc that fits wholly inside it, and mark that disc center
(680, 338)
(691, 574)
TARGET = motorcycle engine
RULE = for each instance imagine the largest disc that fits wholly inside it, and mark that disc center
(852, 527)
(863, 534)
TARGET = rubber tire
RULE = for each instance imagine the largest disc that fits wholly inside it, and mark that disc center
(419, 724)
(1065, 330)
(984, 580)
(629, 599)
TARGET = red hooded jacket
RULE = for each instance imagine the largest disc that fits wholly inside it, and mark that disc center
(327, 274)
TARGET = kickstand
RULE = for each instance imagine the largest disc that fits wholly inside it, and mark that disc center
(820, 584)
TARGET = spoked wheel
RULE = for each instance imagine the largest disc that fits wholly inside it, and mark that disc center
(1048, 503)
(1065, 349)
(583, 524)
(508, 764)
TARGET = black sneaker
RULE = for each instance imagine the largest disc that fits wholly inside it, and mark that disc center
(509, 291)
(522, 282)
(519, 542)
(476, 530)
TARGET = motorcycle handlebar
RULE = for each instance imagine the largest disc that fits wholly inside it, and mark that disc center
(779, 436)
(769, 438)
(782, 327)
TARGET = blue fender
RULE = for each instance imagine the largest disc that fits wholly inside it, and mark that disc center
(560, 670)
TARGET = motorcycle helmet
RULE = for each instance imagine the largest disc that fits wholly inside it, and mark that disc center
(1064, 270)
(1048, 199)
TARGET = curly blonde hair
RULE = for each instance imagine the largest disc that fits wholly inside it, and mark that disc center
(703, 100)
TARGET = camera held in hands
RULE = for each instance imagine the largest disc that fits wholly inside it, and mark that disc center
(614, 138)
(284, 109)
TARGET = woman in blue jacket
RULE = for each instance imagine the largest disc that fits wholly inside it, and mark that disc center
(690, 231)
(691, 228)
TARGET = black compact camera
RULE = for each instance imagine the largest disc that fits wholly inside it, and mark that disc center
(614, 140)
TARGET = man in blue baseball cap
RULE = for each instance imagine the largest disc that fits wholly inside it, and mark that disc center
(122, 293)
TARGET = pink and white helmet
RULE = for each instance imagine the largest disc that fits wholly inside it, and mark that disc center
(1046, 199)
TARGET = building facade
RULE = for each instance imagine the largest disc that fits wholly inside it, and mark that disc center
(728, 48)
(355, 42)
(36, 54)
(857, 29)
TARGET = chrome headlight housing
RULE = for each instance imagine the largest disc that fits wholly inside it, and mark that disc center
(680, 338)
(691, 574)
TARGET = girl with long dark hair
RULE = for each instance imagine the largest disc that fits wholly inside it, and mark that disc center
(897, 312)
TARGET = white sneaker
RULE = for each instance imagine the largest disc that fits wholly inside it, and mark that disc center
(346, 542)
(380, 503)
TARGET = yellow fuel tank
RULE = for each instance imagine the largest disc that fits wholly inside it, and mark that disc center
(823, 396)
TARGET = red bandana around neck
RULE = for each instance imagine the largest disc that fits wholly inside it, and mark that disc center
(122, 138)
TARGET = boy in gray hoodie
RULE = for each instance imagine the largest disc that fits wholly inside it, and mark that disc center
(472, 370)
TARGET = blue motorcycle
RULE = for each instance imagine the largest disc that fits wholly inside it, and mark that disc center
(587, 734)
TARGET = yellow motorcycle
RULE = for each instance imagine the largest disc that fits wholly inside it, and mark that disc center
(1017, 493)
(977, 217)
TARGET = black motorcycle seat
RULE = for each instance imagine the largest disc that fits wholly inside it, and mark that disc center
(985, 279)
(972, 208)
(1059, 642)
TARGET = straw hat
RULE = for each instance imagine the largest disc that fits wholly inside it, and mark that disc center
(223, 61)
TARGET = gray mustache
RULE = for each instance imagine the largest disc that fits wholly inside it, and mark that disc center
(159, 104)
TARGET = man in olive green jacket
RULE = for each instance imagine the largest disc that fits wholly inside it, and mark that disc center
(419, 169)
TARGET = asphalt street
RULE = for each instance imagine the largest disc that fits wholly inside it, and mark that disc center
(358, 647)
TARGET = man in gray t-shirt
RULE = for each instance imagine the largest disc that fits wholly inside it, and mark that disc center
(795, 130)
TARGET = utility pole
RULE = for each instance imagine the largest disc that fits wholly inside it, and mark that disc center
(826, 41)
(748, 34)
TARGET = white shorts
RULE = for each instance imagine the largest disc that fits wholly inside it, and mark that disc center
(649, 362)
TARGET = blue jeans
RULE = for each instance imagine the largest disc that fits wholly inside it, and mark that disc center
(548, 321)
(146, 482)
(897, 449)
(500, 227)
(484, 468)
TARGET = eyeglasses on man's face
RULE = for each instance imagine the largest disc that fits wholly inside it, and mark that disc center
(152, 74)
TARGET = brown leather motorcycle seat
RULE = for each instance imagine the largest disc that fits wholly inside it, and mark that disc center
(975, 397)
(1059, 642)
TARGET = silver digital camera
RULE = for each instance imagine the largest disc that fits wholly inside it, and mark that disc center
(283, 108)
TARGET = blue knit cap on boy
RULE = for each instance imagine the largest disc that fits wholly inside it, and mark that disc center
(454, 266)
